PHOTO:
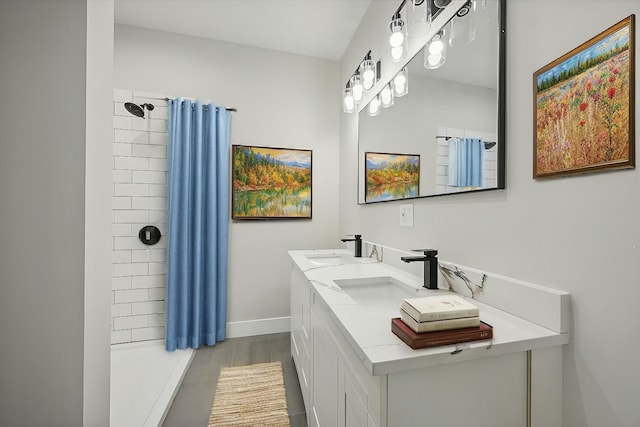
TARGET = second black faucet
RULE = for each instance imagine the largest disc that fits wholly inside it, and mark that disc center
(358, 239)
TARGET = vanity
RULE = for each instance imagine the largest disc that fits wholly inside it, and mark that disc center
(353, 371)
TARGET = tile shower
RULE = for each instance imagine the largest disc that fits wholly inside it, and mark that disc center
(138, 282)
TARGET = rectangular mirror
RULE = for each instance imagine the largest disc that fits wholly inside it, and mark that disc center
(452, 118)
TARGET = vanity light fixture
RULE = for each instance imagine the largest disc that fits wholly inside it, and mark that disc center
(386, 96)
(435, 51)
(368, 70)
(357, 89)
(397, 38)
(348, 102)
(400, 83)
(373, 109)
(365, 76)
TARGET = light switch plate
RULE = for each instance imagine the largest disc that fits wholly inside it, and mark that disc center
(406, 215)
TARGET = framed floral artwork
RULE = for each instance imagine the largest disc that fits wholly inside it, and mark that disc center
(584, 106)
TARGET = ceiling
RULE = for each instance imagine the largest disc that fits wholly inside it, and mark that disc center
(317, 28)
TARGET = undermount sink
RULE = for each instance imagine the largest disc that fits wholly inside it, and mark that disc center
(382, 293)
(330, 259)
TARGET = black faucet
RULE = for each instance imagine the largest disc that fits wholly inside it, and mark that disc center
(358, 239)
(430, 260)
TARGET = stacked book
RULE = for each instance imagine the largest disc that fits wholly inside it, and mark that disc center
(439, 320)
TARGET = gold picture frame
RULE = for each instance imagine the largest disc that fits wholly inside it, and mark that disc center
(584, 106)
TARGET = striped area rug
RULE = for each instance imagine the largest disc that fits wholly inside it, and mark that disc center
(251, 395)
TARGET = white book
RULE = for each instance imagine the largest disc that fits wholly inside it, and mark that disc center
(439, 307)
(438, 325)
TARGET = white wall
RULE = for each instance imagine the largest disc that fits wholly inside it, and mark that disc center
(580, 234)
(54, 321)
(97, 310)
(283, 100)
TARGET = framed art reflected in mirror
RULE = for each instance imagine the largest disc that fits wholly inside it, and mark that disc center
(391, 176)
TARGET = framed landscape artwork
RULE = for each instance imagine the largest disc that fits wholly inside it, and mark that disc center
(391, 176)
(270, 183)
(584, 106)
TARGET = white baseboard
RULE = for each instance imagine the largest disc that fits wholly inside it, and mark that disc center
(248, 328)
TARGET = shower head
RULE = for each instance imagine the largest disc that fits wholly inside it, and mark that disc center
(137, 110)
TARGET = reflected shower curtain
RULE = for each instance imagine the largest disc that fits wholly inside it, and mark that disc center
(466, 162)
(198, 227)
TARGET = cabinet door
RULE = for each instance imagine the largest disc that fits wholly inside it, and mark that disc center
(324, 383)
(299, 288)
(301, 331)
(485, 392)
(355, 410)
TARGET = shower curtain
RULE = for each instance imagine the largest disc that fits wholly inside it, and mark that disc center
(198, 225)
(466, 162)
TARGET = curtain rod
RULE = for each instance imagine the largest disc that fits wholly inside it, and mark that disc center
(232, 109)
(446, 138)
(487, 144)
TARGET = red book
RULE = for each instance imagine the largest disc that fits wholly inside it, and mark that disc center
(433, 339)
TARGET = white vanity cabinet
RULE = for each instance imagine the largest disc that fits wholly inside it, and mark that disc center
(332, 394)
(489, 391)
(354, 372)
(343, 394)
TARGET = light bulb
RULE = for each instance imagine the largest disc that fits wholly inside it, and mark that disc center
(368, 74)
(397, 53)
(435, 53)
(358, 92)
(348, 102)
(399, 90)
(386, 96)
(397, 36)
(373, 108)
(367, 79)
(399, 80)
(400, 83)
(356, 87)
(433, 60)
(436, 47)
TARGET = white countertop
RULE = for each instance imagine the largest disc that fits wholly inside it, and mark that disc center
(368, 329)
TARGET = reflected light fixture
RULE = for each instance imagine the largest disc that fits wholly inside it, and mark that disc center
(386, 96)
(441, 3)
(373, 109)
(400, 83)
(397, 38)
(418, 18)
(435, 52)
(463, 26)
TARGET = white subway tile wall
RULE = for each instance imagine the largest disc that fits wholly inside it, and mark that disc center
(138, 283)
